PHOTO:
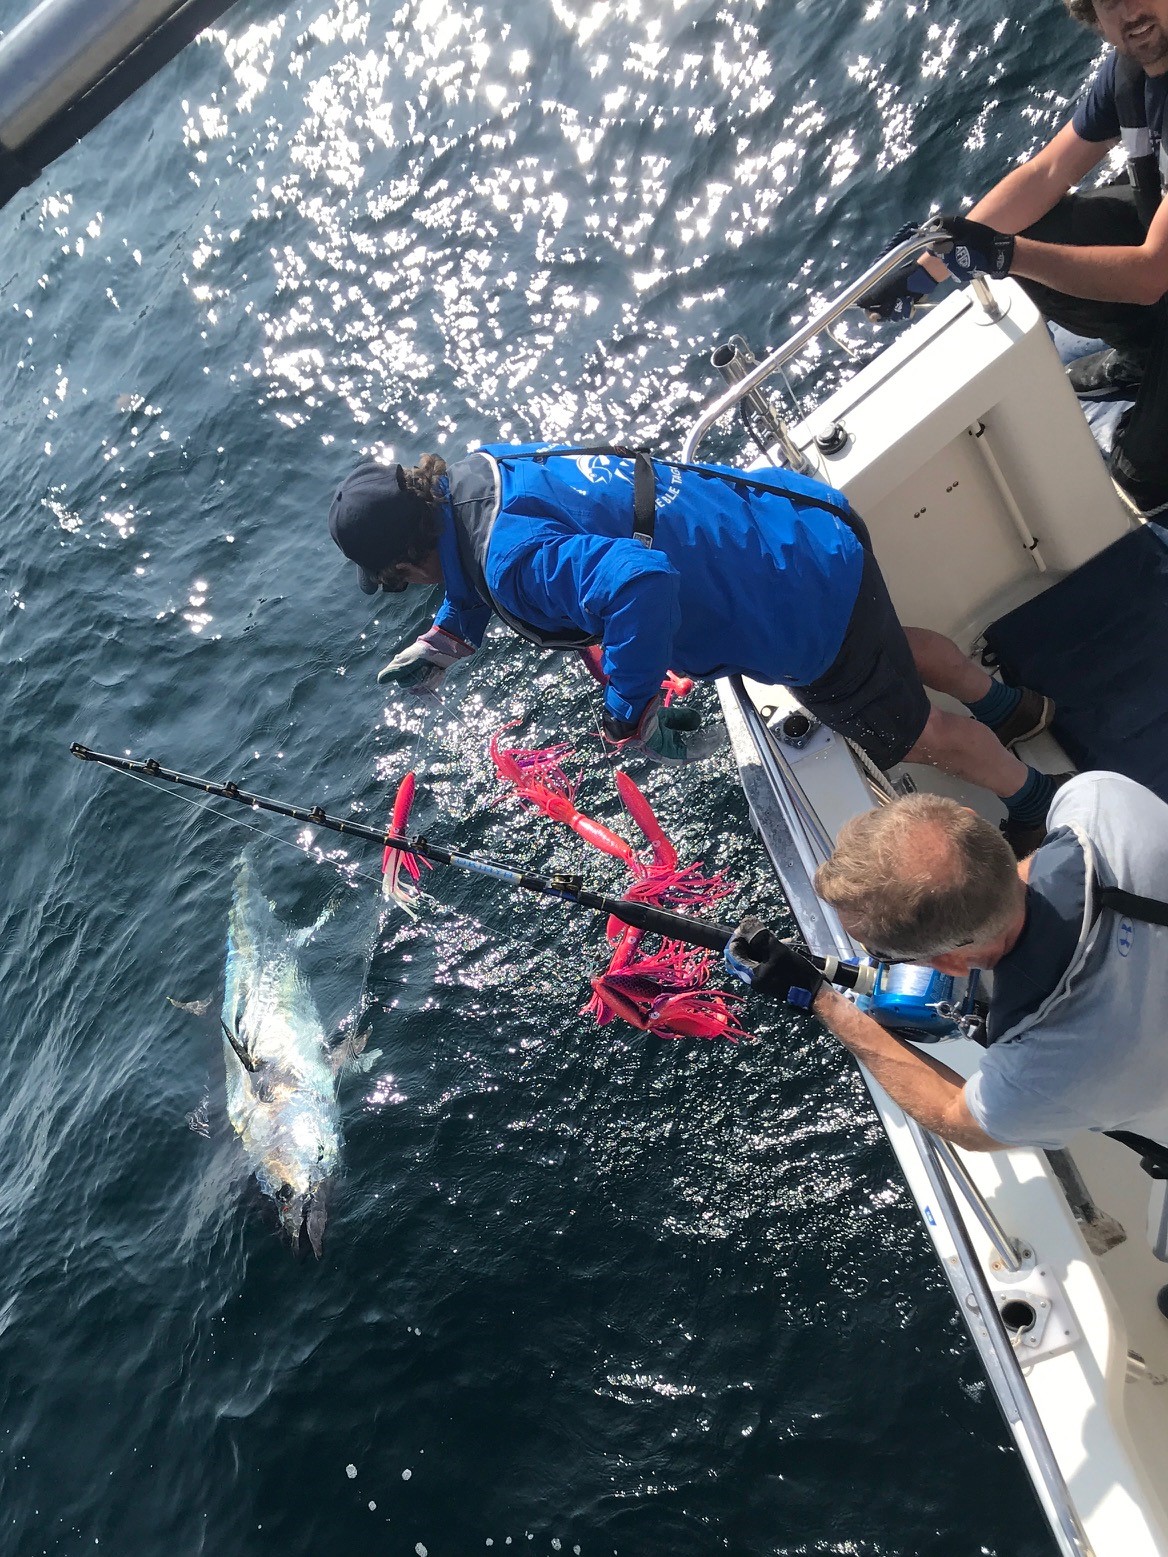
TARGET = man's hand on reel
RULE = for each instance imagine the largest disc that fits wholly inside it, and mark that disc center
(772, 967)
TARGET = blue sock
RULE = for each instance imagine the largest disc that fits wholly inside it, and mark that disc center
(1028, 806)
(998, 704)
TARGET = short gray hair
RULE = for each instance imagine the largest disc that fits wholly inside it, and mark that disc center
(920, 877)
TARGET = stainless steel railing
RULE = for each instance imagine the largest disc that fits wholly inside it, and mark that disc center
(921, 241)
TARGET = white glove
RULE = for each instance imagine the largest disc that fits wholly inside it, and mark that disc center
(421, 666)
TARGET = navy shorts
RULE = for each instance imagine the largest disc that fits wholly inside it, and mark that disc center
(871, 692)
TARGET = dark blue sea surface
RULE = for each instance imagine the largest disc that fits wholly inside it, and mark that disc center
(584, 1291)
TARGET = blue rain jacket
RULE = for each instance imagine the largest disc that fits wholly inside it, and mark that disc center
(760, 582)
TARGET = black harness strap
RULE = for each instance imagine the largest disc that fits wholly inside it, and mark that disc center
(1149, 910)
(756, 484)
(645, 483)
(1139, 141)
(1153, 1155)
(644, 498)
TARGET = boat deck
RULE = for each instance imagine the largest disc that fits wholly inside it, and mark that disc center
(995, 522)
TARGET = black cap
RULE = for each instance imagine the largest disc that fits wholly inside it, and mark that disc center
(370, 510)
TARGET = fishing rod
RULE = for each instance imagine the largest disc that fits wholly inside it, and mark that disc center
(567, 888)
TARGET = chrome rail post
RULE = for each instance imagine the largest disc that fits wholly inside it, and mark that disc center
(990, 1226)
(59, 50)
(921, 241)
(980, 287)
(734, 361)
(1013, 1390)
(70, 63)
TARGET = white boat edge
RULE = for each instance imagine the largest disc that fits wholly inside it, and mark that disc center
(967, 455)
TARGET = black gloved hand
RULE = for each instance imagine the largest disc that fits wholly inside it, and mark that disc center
(975, 247)
(770, 966)
(899, 293)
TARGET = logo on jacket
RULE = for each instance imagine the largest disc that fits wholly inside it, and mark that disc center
(1124, 937)
(596, 468)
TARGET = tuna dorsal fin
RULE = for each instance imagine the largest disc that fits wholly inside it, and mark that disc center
(245, 1059)
(195, 1007)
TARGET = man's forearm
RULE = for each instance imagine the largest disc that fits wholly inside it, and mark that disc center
(1019, 199)
(1028, 192)
(930, 1092)
(1106, 274)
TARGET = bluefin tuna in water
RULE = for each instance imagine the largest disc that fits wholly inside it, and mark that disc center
(281, 1072)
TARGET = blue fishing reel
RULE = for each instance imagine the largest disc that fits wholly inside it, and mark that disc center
(925, 1006)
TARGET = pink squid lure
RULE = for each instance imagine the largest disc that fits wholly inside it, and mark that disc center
(666, 992)
(401, 870)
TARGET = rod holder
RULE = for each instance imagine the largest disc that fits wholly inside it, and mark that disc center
(734, 360)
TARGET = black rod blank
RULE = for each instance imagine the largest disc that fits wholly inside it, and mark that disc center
(568, 889)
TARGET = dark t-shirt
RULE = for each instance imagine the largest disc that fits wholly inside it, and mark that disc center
(1097, 117)
(1055, 896)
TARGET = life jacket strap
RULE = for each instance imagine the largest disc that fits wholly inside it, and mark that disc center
(1149, 910)
(1153, 1155)
(645, 484)
(1132, 111)
(644, 480)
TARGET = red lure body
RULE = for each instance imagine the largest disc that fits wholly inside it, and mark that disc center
(666, 992)
(395, 861)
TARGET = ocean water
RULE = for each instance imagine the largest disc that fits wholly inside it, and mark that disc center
(583, 1291)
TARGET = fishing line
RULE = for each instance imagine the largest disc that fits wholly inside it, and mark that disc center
(564, 888)
(237, 821)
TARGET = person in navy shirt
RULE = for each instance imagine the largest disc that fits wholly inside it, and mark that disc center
(1095, 261)
(764, 574)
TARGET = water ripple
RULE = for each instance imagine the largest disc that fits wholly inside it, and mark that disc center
(582, 1292)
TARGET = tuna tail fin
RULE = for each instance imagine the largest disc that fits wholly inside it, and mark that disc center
(316, 1216)
(249, 1063)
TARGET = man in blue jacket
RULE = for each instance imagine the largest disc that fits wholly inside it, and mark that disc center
(701, 569)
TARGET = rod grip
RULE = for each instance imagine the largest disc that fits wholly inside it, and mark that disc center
(846, 975)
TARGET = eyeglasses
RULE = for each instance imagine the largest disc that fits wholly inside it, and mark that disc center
(892, 958)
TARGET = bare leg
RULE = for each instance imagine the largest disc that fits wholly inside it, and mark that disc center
(942, 666)
(968, 750)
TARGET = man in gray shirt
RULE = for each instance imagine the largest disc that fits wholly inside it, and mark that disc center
(1078, 1020)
